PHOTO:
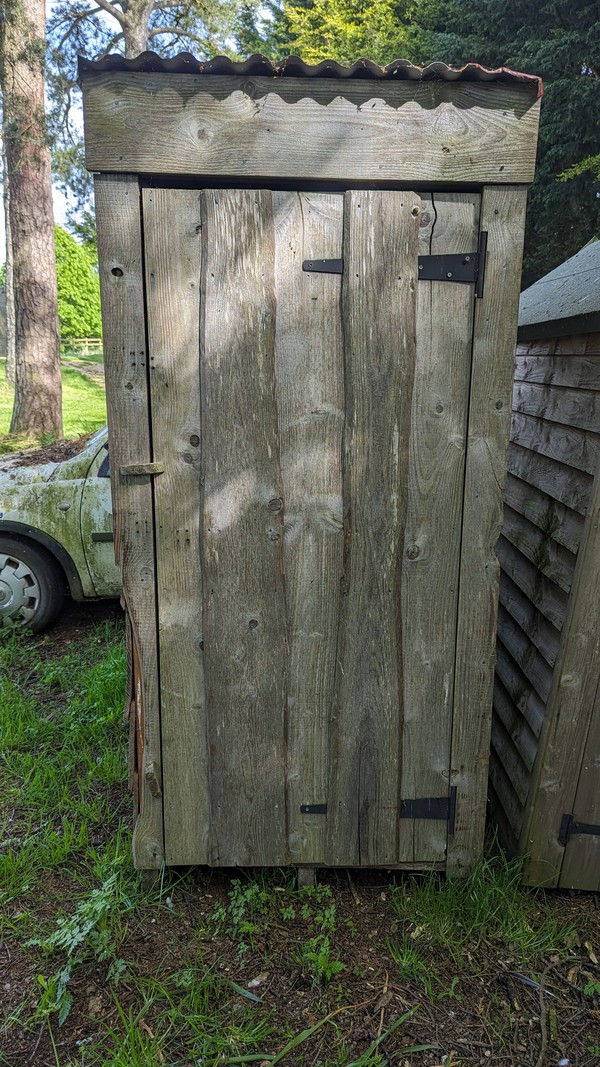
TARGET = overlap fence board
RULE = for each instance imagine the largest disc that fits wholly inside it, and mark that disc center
(548, 626)
(173, 215)
(245, 635)
(309, 372)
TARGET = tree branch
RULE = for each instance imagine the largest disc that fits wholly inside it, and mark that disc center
(111, 44)
(111, 10)
(73, 22)
(176, 33)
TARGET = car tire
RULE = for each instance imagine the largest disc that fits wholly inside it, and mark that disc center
(32, 585)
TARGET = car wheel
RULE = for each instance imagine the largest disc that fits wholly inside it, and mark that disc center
(32, 586)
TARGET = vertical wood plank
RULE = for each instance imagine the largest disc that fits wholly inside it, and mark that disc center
(310, 400)
(494, 336)
(563, 743)
(172, 261)
(429, 590)
(581, 866)
(245, 646)
(379, 309)
(122, 289)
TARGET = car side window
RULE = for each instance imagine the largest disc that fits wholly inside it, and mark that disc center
(104, 468)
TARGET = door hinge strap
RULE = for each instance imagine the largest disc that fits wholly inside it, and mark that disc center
(323, 266)
(443, 808)
(135, 469)
(569, 826)
(313, 809)
(465, 267)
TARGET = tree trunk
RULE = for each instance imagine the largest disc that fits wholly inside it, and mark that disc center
(135, 26)
(37, 407)
(9, 289)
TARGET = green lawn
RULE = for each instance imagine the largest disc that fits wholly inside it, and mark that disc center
(84, 408)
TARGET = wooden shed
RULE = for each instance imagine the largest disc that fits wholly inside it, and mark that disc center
(309, 364)
(545, 765)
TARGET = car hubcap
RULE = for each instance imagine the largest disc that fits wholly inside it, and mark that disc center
(19, 590)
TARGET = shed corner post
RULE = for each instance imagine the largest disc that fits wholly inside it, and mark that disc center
(121, 271)
(494, 337)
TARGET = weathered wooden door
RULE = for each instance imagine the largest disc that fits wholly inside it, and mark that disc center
(308, 521)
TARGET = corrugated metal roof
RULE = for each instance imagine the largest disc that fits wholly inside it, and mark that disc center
(570, 290)
(294, 67)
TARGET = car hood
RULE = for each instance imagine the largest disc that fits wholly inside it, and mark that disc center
(60, 460)
(17, 470)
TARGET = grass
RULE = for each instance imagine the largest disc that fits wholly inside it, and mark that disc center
(84, 409)
(77, 912)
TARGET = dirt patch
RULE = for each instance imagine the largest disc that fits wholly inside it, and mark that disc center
(93, 371)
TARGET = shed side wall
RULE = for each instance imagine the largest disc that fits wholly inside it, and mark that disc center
(553, 457)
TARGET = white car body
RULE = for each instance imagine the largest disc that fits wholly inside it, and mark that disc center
(62, 512)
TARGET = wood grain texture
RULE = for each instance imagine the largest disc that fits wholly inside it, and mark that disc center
(172, 262)
(517, 644)
(569, 486)
(518, 729)
(572, 702)
(380, 260)
(571, 407)
(122, 288)
(309, 371)
(507, 753)
(520, 689)
(245, 640)
(581, 864)
(431, 560)
(314, 129)
(550, 515)
(580, 344)
(551, 559)
(566, 444)
(494, 336)
(511, 806)
(541, 633)
(574, 372)
(548, 598)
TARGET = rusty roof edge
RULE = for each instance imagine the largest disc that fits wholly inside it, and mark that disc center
(294, 67)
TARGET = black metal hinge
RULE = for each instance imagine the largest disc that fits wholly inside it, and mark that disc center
(431, 808)
(313, 809)
(466, 267)
(570, 826)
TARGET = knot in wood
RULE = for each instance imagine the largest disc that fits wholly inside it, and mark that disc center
(276, 503)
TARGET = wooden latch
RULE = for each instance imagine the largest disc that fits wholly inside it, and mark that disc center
(135, 469)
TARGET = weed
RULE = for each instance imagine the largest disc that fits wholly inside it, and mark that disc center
(314, 957)
(95, 932)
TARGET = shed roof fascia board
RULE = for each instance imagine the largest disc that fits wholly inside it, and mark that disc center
(576, 324)
(463, 132)
(293, 66)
